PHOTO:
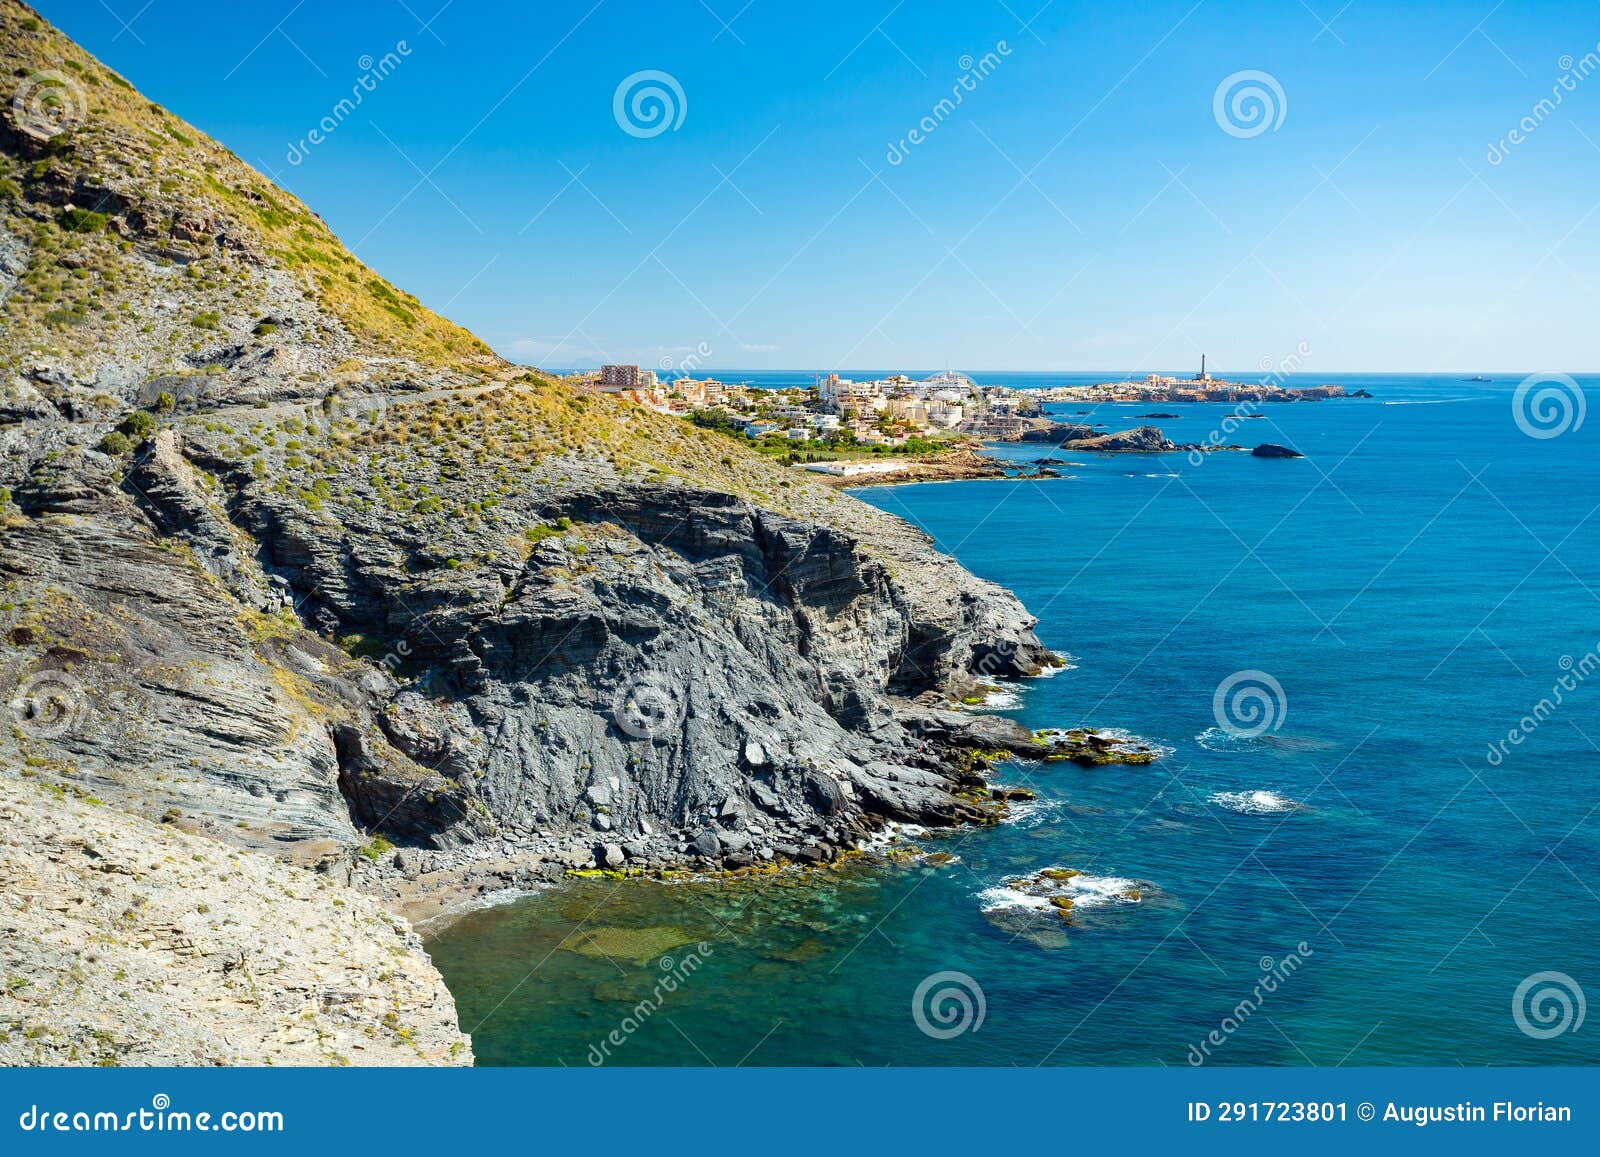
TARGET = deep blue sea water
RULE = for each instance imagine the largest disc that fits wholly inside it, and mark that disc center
(1415, 586)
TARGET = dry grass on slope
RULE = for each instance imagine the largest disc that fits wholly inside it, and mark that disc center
(97, 182)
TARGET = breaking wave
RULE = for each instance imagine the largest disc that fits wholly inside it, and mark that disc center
(1033, 893)
(1256, 803)
(1033, 813)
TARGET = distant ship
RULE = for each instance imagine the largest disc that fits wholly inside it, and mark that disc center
(1479, 378)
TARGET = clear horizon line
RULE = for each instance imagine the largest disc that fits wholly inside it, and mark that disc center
(1257, 372)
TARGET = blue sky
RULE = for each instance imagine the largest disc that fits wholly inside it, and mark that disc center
(1082, 207)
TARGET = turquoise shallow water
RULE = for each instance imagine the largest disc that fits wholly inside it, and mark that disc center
(1415, 587)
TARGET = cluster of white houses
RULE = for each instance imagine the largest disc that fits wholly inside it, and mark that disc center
(944, 402)
(886, 411)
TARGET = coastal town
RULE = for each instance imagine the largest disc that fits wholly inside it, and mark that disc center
(835, 411)
(901, 414)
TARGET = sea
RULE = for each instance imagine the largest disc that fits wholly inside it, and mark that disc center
(1372, 837)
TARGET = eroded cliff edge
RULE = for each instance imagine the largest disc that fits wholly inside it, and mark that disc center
(131, 943)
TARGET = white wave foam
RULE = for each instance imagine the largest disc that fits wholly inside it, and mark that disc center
(1216, 739)
(1097, 891)
(1028, 814)
(894, 832)
(497, 898)
(1256, 803)
(999, 899)
(1033, 893)
(1005, 699)
(1122, 735)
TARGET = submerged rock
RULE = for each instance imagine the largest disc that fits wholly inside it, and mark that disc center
(638, 945)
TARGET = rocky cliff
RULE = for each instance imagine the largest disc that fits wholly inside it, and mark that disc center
(289, 560)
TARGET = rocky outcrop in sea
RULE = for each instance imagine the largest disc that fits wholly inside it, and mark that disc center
(1087, 439)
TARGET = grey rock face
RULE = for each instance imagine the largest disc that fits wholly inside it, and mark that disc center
(675, 660)
(342, 571)
(146, 683)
